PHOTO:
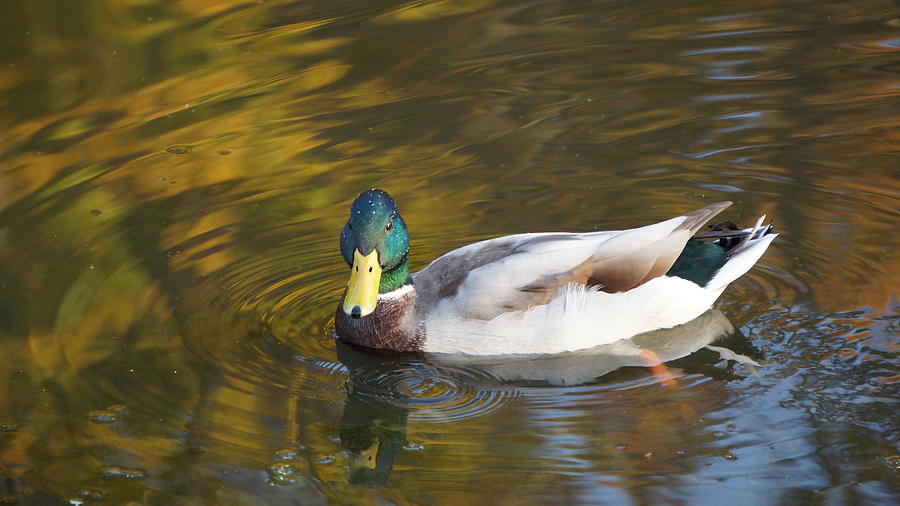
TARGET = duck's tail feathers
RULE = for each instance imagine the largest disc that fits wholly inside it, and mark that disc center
(743, 254)
(695, 220)
(730, 236)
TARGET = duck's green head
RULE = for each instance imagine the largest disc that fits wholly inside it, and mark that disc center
(374, 243)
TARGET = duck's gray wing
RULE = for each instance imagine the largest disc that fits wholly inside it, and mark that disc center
(485, 279)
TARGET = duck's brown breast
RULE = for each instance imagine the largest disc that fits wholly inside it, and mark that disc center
(391, 326)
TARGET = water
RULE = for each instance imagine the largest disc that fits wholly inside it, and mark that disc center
(174, 175)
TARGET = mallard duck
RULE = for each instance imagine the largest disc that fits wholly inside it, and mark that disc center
(534, 293)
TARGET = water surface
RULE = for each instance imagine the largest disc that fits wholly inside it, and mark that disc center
(174, 175)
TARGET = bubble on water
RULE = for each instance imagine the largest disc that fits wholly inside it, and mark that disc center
(893, 461)
(414, 446)
(224, 152)
(729, 456)
(122, 473)
(621, 447)
(9, 427)
(104, 416)
(327, 459)
(179, 149)
(96, 212)
(90, 494)
(281, 469)
(281, 473)
(286, 454)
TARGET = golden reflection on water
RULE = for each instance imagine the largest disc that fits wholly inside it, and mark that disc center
(173, 177)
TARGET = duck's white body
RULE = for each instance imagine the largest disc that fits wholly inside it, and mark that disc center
(492, 310)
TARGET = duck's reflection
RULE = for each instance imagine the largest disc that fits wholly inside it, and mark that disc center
(373, 425)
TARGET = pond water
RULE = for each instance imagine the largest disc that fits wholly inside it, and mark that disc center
(174, 175)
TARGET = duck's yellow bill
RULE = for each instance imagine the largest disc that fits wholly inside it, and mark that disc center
(365, 459)
(362, 290)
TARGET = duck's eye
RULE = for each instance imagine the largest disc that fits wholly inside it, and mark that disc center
(350, 226)
(389, 226)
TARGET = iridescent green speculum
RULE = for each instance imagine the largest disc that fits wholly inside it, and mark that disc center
(376, 224)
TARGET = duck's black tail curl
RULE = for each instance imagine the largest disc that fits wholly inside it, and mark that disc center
(729, 236)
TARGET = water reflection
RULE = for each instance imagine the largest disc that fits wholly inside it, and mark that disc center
(451, 388)
(578, 368)
(173, 176)
(373, 425)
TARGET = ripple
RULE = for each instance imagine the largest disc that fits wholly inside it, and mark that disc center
(104, 417)
(122, 473)
(431, 394)
(179, 149)
(264, 316)
(90, 494)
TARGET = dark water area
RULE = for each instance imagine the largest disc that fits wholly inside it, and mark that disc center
(174, 176)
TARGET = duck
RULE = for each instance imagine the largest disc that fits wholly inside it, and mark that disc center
(534, 293)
